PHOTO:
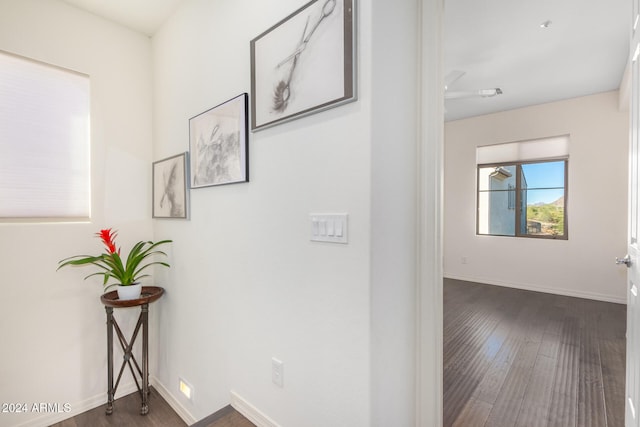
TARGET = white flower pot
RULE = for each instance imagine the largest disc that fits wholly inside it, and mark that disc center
(129, 292)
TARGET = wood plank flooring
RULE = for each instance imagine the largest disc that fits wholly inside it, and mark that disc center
(530, 359)
(511, 358)
(126, 412)
(225, 417)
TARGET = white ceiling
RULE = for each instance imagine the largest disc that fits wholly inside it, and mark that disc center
(144, 16)
(497, 43)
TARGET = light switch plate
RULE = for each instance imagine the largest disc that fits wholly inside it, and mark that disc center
(331, 228)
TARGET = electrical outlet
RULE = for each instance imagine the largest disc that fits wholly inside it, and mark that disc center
(277, 372)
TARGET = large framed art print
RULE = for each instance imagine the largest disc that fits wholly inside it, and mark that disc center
(304, 63)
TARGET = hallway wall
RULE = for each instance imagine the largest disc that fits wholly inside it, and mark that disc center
(248, 284)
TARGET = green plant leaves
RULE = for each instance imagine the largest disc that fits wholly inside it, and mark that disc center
(112, 267)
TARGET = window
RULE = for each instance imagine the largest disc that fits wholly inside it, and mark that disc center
(44, 141)
(524, 197)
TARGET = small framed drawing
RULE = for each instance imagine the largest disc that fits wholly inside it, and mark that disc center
(304, 64)
(170, 187)
(218, 144)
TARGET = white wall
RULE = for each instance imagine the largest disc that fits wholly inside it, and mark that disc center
(394, 209)
(247, 284)
(584, 264)
(52, 323)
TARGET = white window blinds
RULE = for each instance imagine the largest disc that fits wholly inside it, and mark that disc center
(556, 147)
(44, 141)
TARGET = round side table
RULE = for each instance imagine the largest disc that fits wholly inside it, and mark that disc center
(110, 300)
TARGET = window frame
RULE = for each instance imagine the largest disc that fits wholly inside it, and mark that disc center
(518, 198)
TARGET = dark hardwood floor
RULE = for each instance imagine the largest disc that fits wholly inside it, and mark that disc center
(225, 417)
(511, 358)
(519, 358)
(126, 412)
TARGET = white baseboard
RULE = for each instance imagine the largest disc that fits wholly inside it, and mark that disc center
(528, 287)
(251, 412)
(182, 412)
(78, 408)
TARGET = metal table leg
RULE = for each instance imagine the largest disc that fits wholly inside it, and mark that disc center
(110, 390)
(145, 359)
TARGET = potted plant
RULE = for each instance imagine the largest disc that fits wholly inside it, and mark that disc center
(110, 264)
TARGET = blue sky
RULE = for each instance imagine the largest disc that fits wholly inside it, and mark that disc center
(544, 175)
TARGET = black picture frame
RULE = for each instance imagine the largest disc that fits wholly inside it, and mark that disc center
(218, 144)
(169, 187)
(304, 64)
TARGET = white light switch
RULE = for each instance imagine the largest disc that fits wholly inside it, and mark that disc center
(329, 228)
(323, 227)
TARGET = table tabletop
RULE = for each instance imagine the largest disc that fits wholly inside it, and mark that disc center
(148, 295)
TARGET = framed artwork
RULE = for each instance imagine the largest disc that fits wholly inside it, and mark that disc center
(304, 64)
(170, 187)
(218, 142)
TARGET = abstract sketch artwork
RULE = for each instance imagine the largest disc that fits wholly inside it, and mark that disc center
(218, 144)
(303, 64)
(170, 187)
